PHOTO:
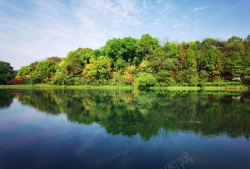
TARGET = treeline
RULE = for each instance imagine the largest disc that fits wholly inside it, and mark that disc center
(145, 62)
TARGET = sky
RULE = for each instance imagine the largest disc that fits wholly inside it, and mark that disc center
(32, 30)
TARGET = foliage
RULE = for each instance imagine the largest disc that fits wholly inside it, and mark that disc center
(145, 80)
(6, 72)
(146, 45)
(99, 71)
(125, 61)
(171, 50)
(45, 70)
(123, 49)
(14, 81)
(24, 70)
(128, 76)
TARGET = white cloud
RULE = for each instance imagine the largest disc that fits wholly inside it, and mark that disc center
(54, 28)
(184, 16)
(40, 29)
(197, 9)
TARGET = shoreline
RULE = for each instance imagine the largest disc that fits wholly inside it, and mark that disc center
(111, 87)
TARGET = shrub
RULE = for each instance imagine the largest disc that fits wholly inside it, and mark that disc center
(14, 81)
(145, 80)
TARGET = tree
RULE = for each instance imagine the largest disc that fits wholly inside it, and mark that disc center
(248, 38)
(209, 43)
(235, 39)
(27, 70)
(99, 71)
(165, 77)
(55, 59)
(234, 51)
(171, 49)
(6, 72)
(45, 70)
(213, 62)
(24, 71)
(126, 59)
(124, 49)
(246, 75)
(188, 71)
(117, 77)
(210, 60)
(144, 67)
(26, 74)
(145, 80)
(120, 64)
(147, 45)
(76, 60)
(128, 76)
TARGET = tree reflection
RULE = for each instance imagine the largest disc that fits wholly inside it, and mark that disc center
(6, 98)
(145, 113)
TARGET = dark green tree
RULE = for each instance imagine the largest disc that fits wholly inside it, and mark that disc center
(76, 60)
(234, 51)
(6, 72)
(124, 48)
(145, 46)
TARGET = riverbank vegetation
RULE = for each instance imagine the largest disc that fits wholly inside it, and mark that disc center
(144, 63)
(229, 88)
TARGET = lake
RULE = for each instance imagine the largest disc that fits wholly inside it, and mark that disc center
(111, 129)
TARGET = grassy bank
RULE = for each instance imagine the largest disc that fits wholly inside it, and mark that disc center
(46, 86)
(173, 88)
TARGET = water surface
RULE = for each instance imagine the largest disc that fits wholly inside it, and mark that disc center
(92, 129)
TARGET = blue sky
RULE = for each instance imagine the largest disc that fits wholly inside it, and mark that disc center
(31, 30)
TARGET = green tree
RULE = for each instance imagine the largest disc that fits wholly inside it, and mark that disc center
(234, 39)
(54, 59)
(27, 74)
(165, 77)
(145, 67)
(99, 71)
(248, 38)
(120, 64)
(147, 45)
(124, 49)
(171, 49)
(188, 72)
(145, 80)
(27, 70)
(45, 70)
(234, 51)
(6, 72)
(209, 43)
(62, 76)
(76, 60)
(213, 61)
(24, 71)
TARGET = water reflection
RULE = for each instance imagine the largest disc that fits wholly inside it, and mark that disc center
(137, 112)
(5, 99)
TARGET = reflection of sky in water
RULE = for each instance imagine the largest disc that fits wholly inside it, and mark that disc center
(31, 139)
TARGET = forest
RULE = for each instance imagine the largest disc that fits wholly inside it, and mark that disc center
(143, 62)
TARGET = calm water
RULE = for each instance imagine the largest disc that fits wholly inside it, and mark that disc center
(92, 129)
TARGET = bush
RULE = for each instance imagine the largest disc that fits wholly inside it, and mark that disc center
(14, 81)
(145, 80)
